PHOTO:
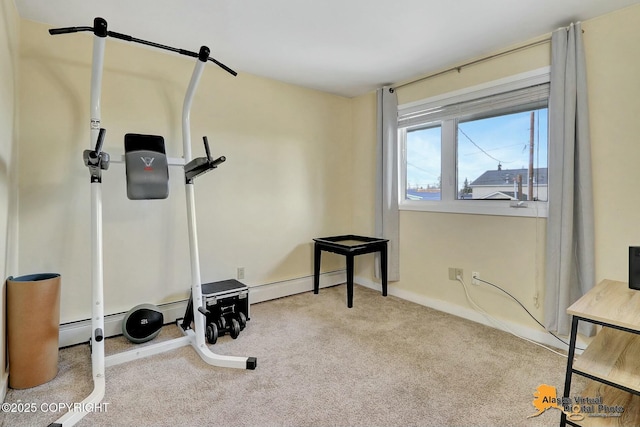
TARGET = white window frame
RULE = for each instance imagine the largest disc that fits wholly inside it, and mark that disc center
(448, 202)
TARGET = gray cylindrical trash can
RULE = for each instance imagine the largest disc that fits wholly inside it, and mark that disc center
(33, 319)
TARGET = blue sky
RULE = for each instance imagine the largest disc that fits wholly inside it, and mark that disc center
(482, 144)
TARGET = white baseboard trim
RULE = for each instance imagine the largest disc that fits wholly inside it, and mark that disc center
(536, 335)
(80, 331)
(286, 288)
(4, 385)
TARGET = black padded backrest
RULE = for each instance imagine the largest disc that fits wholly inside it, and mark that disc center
(146, 167)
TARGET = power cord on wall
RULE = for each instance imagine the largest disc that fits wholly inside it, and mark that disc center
(491, 318)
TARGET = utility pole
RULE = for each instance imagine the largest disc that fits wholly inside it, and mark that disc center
(531, 134)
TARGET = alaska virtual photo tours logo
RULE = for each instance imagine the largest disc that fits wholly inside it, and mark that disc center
(576, 408)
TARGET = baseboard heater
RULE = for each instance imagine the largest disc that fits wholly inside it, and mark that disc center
(79, 332)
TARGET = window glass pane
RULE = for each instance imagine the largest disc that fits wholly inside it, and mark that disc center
(423, 168)
(503, 157)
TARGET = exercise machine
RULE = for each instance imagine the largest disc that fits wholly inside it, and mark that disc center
(97, 161)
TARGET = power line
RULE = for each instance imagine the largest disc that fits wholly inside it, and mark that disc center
(421, 169)
(495, 149)
(479, 148)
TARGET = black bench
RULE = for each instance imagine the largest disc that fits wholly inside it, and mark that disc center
(350, 245)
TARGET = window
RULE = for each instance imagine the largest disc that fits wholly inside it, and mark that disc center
(482, 150)
(424, 164)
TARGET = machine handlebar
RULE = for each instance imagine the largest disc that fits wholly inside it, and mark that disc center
(206, 148)
(200, 165)
(67, 30)
(217, 161)
(100, 29)
(97, 160)
(212, 163)
(100, 140)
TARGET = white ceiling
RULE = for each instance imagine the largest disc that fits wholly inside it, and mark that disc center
(346, 47)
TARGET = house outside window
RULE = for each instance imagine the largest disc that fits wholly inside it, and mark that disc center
(482, 150)
(507, 184)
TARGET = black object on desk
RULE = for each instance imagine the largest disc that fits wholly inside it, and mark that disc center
(350, 245)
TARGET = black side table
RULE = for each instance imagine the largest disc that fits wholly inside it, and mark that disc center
(350, 245)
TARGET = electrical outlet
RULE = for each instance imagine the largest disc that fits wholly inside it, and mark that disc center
(454, 273)
(240, 273)
(475, 275)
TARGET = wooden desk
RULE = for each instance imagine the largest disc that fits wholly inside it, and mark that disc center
(612, 360)
(350, 245)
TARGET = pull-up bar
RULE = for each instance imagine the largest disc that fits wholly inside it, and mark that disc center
(100, 30)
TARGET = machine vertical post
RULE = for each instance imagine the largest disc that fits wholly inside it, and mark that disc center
(196, 281)
(199, 320)
(97, 311)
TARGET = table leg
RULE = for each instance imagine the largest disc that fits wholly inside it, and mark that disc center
(383, 269)
(570, 356)
(349, 281)
(317, 253)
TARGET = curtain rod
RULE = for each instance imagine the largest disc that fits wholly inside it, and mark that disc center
(477, 61)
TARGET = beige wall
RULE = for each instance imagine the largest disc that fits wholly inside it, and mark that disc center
(292, 153)
(613, 70)
(8, 135)
(510, 251)
(285, 180)
(364, 166)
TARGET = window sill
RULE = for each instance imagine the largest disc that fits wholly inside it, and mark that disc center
(477, 207)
